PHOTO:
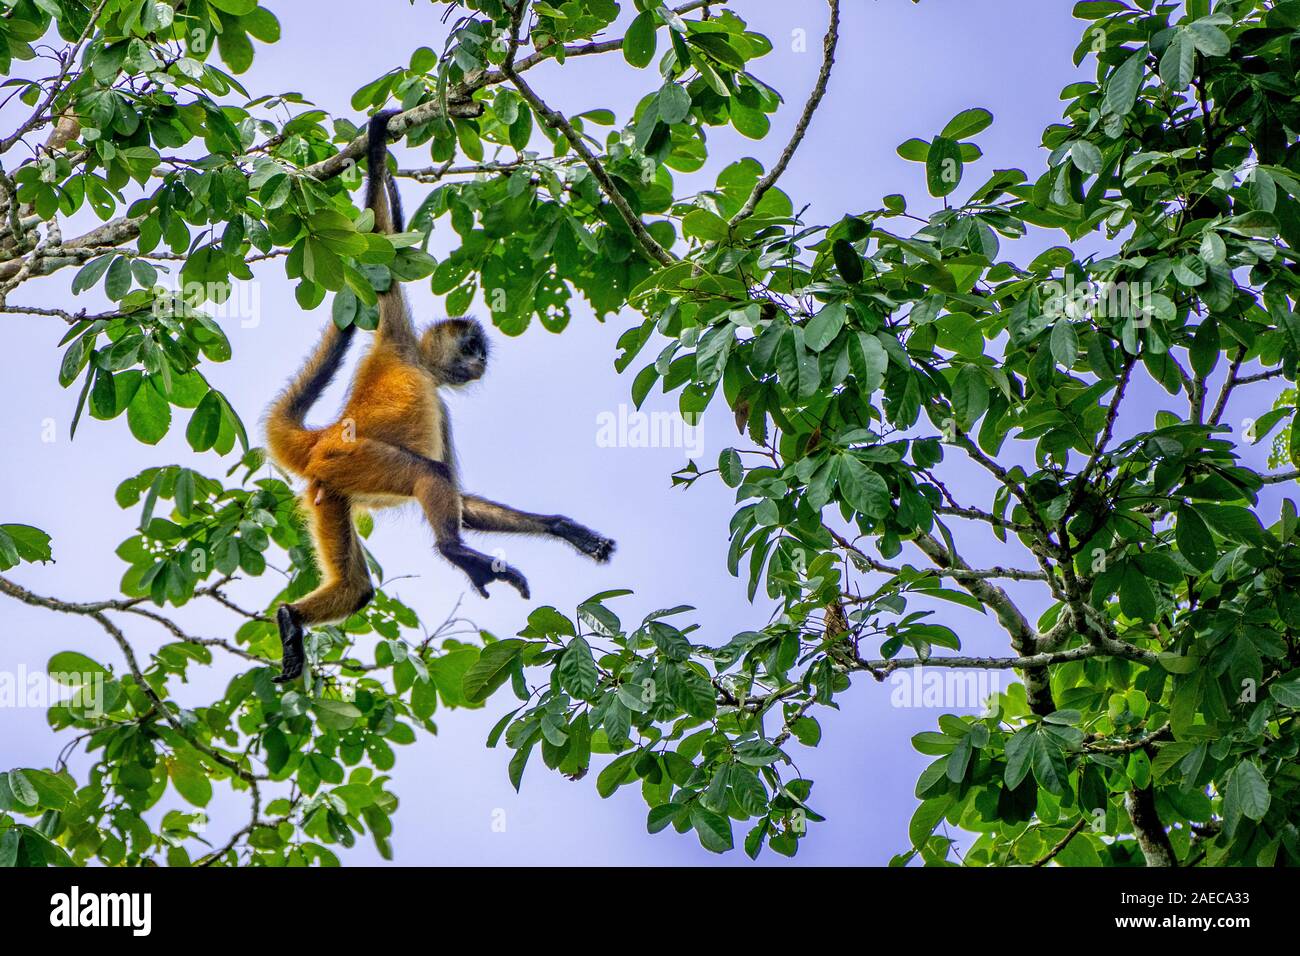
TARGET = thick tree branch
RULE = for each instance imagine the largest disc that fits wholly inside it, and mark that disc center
(1280, 477)
(1152, 838)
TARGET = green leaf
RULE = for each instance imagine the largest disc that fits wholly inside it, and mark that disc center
(119, 278)
(1286, 692)
(1065, 343)
(674, 103)
(577, 669)
(149, 415)
(705, 224)
(868, 360)
(1049, 763)
(1208, 38)
(1123, 84)
(690, 690)
(1247, 790)
(823, 327)
(9, 841)
(205, 423)
(970, 396)
(616, 773)
(1234, 523)
(1019, 748)
(863, 489)
(943, 166)
(21, 542)
(967, 123)
(22, 789)
(190, 780)
(639, 42)
(1178, 62)
(1204, 350)
(1256, 224)
(492, 669)
(74, 669)
(90, 274)
(714, 829)
(757, 753)
(847, 261)
(1195, 542)
(730, 467)
(1135, 596)
(235, 48)
(1086, 157)
(660, 816)
(335, 714)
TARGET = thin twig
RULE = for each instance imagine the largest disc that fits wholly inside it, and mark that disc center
(801, 127)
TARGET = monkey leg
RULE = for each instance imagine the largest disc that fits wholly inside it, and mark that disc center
(370, 467)
(346, 585)
(479, 514)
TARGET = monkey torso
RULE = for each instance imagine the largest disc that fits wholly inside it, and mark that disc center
(398, 403)
(394, 401)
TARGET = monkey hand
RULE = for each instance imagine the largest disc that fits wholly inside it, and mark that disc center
(291, 634)
(588, 542)
(483, 570)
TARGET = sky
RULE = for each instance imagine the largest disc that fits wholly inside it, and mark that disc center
(528, 434)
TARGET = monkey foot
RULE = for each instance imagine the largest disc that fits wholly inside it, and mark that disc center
(483, 570)
(603, 549)
(588, 542)
(293, 655)
(512, 577)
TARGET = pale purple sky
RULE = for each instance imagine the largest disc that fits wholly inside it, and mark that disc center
(527, 434)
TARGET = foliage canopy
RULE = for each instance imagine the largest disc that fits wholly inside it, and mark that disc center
(867, 361)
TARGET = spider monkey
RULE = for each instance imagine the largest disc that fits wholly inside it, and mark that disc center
(392, 444)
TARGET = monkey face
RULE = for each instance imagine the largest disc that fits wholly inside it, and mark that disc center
(455, 351)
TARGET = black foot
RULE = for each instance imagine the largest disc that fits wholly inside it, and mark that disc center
(291, 634)
(588, 542)
(483, 570)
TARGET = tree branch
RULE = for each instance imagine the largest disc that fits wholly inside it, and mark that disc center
(801, 127)
(1147, 828)
(493, 77)
(67, 58)
(554, 119)
(1064, 842)
(96, 613)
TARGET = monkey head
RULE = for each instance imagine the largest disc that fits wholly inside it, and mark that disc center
(455, 351)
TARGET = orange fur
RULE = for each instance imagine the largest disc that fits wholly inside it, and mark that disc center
(392, 444)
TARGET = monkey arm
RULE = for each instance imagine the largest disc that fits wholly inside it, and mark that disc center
(479, 514)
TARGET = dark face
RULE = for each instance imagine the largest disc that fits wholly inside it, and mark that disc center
(456, 351)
